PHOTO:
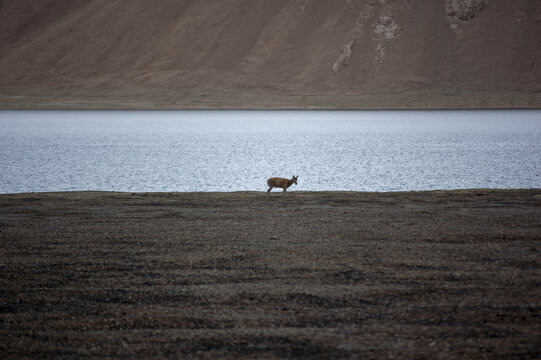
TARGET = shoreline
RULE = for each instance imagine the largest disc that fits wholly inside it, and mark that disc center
(274, 193)
(430, 99)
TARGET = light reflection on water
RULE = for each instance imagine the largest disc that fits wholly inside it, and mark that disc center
(141, 151)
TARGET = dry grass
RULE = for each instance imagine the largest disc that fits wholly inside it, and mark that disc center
(322, 275)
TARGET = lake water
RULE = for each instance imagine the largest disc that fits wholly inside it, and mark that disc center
(147, 151)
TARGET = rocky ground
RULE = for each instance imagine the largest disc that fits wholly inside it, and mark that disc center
(315, 274)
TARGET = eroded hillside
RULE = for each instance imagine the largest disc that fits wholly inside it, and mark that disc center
(270, 54)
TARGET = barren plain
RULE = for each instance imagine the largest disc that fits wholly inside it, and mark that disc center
(440, 274)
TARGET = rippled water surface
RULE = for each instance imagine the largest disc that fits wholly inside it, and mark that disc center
(238, 150)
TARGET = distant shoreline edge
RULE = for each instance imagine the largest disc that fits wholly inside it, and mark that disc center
(435, 99)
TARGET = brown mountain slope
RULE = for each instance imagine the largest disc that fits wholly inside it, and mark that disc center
(270, 54)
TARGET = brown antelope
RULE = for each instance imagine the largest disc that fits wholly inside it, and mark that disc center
(280, 183)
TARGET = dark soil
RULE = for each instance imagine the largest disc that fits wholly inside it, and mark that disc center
(312, 275)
